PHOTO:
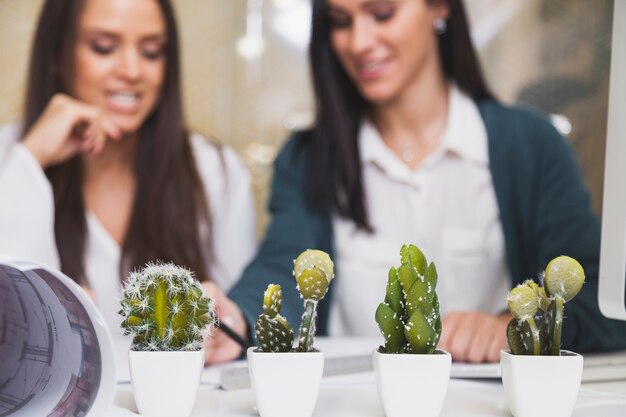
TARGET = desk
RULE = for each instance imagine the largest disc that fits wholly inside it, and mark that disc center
(355, 395)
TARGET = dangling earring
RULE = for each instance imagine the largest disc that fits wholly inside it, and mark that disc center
(440, 26)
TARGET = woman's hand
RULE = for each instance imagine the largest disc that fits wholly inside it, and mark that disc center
(66, 127)
(472, 336)
(219, 347)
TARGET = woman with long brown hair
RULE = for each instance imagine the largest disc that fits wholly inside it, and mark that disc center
(102, 176)
(410, 146)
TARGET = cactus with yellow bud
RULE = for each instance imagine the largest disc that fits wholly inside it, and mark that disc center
(537, 322)
(313, 271)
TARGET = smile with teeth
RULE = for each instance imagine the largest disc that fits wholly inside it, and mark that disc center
(372, 69)
(124, 99)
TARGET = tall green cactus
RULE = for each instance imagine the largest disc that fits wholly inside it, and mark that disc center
(272, 330)
(535, 328)
(409, 318)
(313, 270)
(163, 309)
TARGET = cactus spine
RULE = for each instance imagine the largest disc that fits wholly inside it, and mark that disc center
(272, 330)
(163, 309)
(537, 322)
(409, 318)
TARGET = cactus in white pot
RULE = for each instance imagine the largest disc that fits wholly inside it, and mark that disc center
(409, 317)
(168, 317)
(537, 311)
(534, 337)
(275, 365)
(409, 369)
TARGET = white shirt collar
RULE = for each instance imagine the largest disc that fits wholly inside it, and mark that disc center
(465, 136)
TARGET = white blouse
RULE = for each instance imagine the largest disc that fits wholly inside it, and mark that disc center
(27, 220)
(447, 207)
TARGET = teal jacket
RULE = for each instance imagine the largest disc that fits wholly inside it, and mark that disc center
(544, 207)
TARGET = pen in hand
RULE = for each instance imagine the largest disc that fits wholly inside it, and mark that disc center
(231, 333)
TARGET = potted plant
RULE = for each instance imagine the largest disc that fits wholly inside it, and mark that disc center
(535, 357)
(275, 366)
(168, 317)
(411, 374)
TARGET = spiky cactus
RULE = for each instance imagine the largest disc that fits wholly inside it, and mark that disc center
(409, 318)
(272, 330)
(535, 328)
(163, 309)
(313, 270)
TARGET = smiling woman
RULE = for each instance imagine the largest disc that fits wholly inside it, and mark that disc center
(410, 146)
(120, 60)
(103, 176)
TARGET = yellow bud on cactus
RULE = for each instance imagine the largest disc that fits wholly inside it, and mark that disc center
(564, 277)
(523, 301)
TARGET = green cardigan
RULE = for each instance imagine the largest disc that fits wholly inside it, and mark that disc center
(544, 207)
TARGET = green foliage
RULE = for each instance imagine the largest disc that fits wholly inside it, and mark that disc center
(409, 318)
(537, 322)
(163, 309)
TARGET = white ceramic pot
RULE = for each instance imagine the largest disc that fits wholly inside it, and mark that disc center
(541, 385)
(165, 384)
(285, 384)
(410, 384)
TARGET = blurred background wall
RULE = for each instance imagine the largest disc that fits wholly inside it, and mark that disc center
(246, 79)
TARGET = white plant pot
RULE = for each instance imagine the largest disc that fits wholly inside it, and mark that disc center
(541, 385)
(411, 384)
(165, 384)
(285, 384)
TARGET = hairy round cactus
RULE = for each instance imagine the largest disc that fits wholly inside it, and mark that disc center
(272, 330)
(163, 309)
(409, 318)
(537, 322)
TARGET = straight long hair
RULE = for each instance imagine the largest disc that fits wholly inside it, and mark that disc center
(169, 202)
(333, 144)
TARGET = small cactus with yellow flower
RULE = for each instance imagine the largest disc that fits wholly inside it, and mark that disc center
(537, 311)
(313, 271)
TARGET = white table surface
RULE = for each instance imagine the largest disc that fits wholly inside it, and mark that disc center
(355, 395)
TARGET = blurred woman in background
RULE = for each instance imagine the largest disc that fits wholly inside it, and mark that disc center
(103, 176)
(410, 146)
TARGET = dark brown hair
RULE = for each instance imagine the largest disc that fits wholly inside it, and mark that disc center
(333, 144)
(169, 202)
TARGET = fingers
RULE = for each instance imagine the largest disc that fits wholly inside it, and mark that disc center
(461, 338)
(479, 342)
(66, 127)
(473, 336)
(219, 347)
(499, 342)
(92, 129)
(448, 328)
